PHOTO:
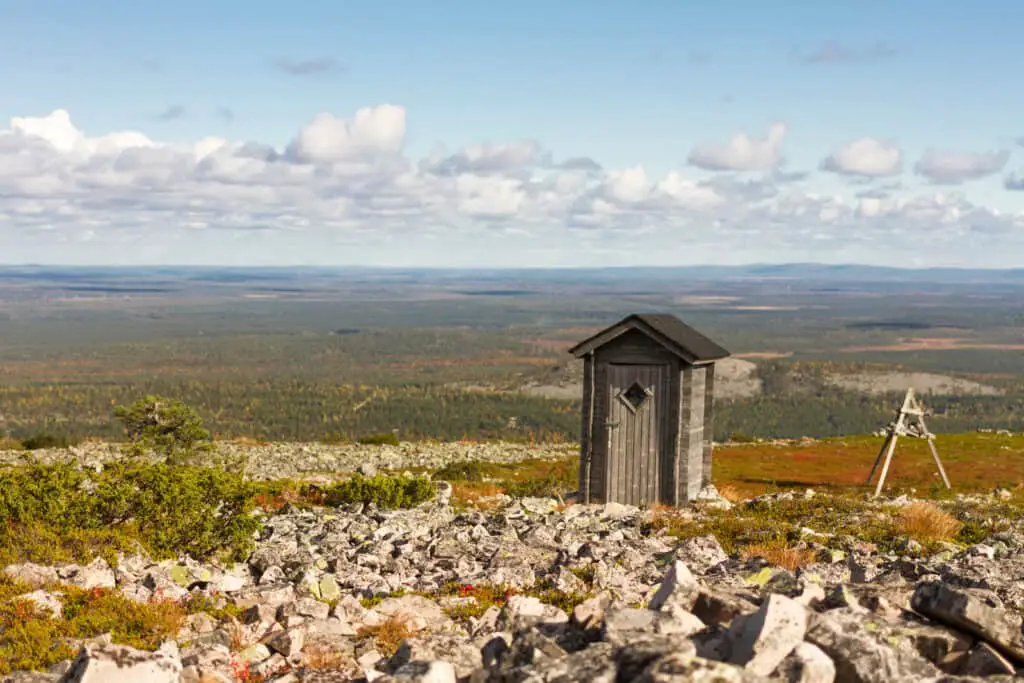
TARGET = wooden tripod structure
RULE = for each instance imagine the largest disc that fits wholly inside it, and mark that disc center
(903, 426)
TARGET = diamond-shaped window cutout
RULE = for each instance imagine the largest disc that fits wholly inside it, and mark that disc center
(635, 396)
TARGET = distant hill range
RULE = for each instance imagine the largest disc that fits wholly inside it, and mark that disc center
(795, 271)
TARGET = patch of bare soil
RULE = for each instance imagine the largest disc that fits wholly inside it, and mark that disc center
(921, 382)
(936, 344)
(764, 354)
(736, 378)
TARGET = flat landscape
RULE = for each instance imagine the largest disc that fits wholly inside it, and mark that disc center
(335, 354)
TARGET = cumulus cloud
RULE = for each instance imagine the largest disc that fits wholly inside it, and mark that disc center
(580, 164)
(951, 168)
(488, 158)
(307, 67)
(866, 157)
(345, 189)
(742, 152)
(329, 139)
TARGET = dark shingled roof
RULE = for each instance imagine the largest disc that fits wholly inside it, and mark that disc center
(664, 328)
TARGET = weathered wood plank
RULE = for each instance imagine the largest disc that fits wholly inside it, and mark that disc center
(709, 424)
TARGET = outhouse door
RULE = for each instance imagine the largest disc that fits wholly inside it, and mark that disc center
(637, 399)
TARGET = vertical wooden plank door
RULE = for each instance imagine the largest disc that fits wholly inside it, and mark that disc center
(637, 397)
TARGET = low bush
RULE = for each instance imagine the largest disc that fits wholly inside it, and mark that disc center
(170, 509)
(381, 439)
(464, 470)
(43, 440)
(40, 543)
(381, 490)
(33, 640)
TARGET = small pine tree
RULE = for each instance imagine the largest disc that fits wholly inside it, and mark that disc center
(166, 427)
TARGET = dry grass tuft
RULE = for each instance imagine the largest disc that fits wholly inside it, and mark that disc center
(387, 636)
(730, 493)
(237, 635)
(324, 657)
(925, 523)
(780, 554)
(663, 516)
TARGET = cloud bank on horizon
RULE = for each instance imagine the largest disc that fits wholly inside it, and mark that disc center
(344, 190)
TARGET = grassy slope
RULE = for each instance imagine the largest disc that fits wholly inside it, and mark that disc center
(974, 462)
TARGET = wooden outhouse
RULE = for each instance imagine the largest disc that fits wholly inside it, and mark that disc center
(648, 389)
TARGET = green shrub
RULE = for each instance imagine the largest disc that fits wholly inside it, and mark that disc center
(466, 470)
(740, 437)
(381, 439)
(335, 438)
(8, 443)
(32, 640)
(47, 440)
(171, 509)
(539, 488)
(41, 543)
(383, 491)
(167, 427)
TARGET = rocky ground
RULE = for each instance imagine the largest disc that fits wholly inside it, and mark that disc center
(303, 460)
(533, 590)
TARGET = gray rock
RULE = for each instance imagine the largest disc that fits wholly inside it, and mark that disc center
(861, 658)
(424, 672)
(32, 574)
(97, 574)
(984, 660)
(30, 677)
(701, 553)
(624, 625)
(677, 591)
(680, 668)
(45, 601)
(760, 641)
(807, 663)
(122, 664)
(972, 613)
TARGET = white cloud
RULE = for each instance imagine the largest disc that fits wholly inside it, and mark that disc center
(945, 167)
(328, 139)
(344, 190)
(742, 153)
(487, 158)
(865, 157)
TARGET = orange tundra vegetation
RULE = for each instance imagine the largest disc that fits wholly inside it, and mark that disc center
(977, 462)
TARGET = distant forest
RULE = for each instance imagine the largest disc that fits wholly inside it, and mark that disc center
(309, 411)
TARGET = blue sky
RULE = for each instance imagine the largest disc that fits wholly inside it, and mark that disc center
(622, 83)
